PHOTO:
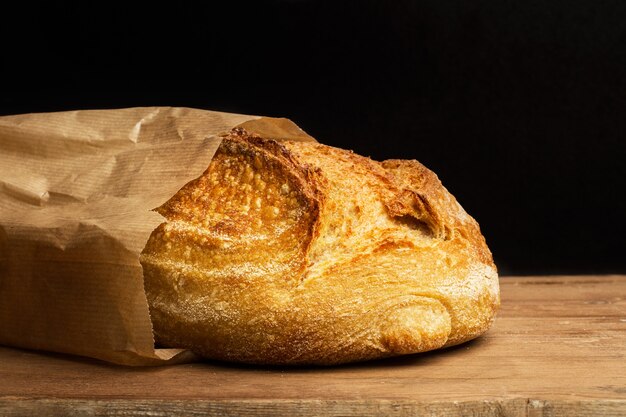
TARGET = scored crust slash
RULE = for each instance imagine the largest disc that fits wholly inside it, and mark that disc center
(300, 253)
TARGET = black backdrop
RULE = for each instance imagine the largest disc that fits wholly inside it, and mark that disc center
(518, 106)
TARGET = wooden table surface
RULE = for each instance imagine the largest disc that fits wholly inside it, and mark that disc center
(557, 348)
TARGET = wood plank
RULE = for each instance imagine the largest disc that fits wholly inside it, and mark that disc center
(557, 348)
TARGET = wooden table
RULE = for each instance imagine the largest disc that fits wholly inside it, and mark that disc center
(557, 349)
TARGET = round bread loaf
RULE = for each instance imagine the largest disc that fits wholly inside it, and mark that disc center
(301, 253)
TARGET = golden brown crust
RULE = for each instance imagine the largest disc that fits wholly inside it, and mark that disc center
(297, 252)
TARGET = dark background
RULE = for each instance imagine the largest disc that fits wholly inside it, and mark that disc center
(518, 106)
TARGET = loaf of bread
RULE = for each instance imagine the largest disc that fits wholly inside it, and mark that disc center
(301, 253)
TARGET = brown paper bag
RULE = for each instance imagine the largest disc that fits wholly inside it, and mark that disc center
(76, 193)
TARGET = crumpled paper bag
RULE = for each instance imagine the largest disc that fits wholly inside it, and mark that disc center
(76, 193)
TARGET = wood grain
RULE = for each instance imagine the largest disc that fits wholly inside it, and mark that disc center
(557, 349)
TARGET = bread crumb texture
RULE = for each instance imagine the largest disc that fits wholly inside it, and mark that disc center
(301, 253)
